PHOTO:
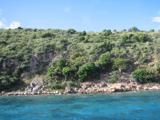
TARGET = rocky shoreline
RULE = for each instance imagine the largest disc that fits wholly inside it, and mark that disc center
(89, 88)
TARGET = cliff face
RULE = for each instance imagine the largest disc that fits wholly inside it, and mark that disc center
(37, 64)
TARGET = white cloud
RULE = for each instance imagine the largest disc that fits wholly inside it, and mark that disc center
(156, 19)
(14, 24)
(2, 25)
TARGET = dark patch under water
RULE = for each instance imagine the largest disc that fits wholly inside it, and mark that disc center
(118, 106)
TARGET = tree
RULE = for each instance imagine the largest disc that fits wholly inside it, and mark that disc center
(61, 63)
(151, 30)
(104, 61)
(48, 35)
(83, 33)
(71, 31)
(133, 29)
(55, 71)
(7, 81)
(107, 32)
(120, 64)
(66, 72)
(143, 76)
(103, 47)
(87, 70)
(158, 67)
(143, 38)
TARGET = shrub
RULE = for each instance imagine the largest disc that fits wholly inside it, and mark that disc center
(107, 32)
(56, 69)
(143, 76)
(66, 72)
(103, 48)
(120, 64)
(86, 70)
(71, 31)
(54, 72)
(158, 67)
(48, 35)
(7, 81)
(83, 33)
(104, 61)
(113, 77)
(57, 85)
(143, 38)
(61, 63)
(72, 84)
(133, 29)
(123, 40)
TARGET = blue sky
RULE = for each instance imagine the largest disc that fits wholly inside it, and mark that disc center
(90, 15)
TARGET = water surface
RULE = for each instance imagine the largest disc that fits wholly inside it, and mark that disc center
(118, 106)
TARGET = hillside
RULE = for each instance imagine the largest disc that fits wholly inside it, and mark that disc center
(67, 57)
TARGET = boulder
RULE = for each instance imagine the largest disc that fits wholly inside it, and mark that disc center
(103, 84)
(69, 90)
(35, 86)
(154, 88)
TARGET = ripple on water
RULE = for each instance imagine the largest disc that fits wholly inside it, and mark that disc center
(117, 106)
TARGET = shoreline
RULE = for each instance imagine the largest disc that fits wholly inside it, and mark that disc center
(90, 88)
(51, 94)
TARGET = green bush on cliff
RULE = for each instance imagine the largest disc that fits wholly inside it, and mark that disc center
(87, 71)
(104, 61)
(144, 76)
(158, 67)
(120, 64)
(57, 85)
(56, 70)
(7, 81)
(113, 77)
(67, 71)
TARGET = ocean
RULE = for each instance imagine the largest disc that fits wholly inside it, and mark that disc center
(116, 106)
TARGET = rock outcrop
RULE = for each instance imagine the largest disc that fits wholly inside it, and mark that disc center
(36, 86)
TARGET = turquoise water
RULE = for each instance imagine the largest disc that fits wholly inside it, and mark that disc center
(119, 106)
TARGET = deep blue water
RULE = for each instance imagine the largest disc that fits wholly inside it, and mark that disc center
(118, 106)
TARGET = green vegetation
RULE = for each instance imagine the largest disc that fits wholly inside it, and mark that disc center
(87, 71)
(104, 61)
(144, 76)
(120, 64)
(68, 57)
(113, 77)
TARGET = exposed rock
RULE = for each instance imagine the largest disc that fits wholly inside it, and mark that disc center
(36, 88)
(36, 63)
(154, 88)
(102, 84)
(82, 91)
(3, 92)
(119, 88)
(36, 85)
(90, 88)
(69, 90)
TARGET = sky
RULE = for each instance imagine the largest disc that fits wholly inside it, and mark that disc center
(89, 15)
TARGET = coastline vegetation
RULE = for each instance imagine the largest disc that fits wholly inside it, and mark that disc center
(69, 57)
